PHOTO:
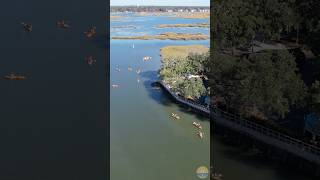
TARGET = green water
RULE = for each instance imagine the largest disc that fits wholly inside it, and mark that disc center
(146, 143)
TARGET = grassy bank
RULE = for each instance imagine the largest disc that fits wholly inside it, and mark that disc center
(165, 36)
(201, 25)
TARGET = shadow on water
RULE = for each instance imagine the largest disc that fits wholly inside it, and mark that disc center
(154, 93)
(244, 154)
(162, 97)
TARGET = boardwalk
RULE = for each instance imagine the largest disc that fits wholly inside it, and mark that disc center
(205, 110)
(268, 136)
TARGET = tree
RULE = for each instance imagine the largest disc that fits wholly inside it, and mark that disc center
(192, 88)
(236, 23)
(265, 83)
(184, 75)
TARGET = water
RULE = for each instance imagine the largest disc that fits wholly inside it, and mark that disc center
(146, 143)
(54, 123)
(234, 162)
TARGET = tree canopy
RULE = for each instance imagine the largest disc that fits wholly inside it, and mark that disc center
(185, 75)
(237, 22)
(265, 83)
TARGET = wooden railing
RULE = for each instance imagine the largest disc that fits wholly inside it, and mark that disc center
(267, 135)
(185, 101)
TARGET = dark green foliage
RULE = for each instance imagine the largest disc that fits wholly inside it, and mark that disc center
(264, 84)
(239, 21)
(267, 83)
(235, 23)
(185, 75)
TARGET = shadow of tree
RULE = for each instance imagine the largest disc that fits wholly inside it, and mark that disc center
(162, 97)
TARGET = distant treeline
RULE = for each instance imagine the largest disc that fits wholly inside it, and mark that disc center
(158, 8)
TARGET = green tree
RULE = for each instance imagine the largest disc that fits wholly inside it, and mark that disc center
(237, 22)
(192, 88)
(184, 75)
(266, 83)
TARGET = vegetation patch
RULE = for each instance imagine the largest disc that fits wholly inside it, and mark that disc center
(183, 69)
(263, 85)
(165, 36)
(172, 52)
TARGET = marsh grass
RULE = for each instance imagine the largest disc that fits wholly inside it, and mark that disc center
(169, 52)
(165, 36)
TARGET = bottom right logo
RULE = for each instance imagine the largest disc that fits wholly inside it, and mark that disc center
(202, 172)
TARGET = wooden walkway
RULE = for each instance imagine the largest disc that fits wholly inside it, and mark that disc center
(266, 135)
(205, 110)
